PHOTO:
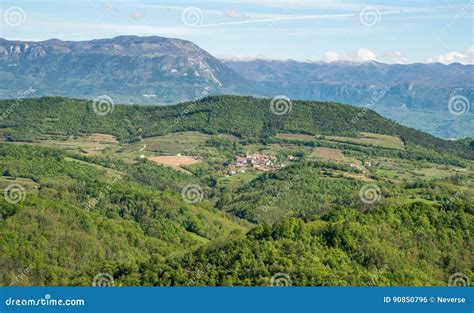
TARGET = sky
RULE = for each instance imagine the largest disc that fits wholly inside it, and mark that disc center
(385, 31)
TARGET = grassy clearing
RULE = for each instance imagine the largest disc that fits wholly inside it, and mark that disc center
(93, 144)
(296, 137)
(398, 169)
(174, 143)
(328, 154)
(237, 180)
(370, 139)
(110, 172)
(24, 182)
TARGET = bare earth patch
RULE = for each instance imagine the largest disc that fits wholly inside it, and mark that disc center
(175, 161)
(103, 138)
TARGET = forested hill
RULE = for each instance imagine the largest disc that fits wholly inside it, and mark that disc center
(246, 117)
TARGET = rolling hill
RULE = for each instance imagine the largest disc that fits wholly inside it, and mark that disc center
(157, 70)
(327, 194)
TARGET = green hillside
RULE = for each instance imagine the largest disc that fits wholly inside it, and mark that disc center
(224, 192)
(245, 117)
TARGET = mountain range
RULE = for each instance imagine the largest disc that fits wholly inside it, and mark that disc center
(157, 70)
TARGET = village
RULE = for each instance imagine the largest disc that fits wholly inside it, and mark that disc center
(257, 161)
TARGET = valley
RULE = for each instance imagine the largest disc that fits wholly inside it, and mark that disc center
(232, 188)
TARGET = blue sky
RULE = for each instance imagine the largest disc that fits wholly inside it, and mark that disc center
(387, 31)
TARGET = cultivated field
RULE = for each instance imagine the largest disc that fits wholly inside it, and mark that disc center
(175, 161)
(370, 139)
(328, 154)
(295, 137)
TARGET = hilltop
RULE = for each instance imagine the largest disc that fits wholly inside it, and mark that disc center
(157, 70)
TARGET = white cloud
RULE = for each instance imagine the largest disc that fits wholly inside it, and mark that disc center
(361, 55)
(365, 55)
(395, 57)
(466, 57)
(331, 56)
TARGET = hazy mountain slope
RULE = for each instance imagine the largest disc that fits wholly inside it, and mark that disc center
(416, 86)
(392, 90)
(129, 69)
